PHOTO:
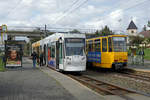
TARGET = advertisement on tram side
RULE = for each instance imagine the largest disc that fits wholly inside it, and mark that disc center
(51, 58)
(13, 54)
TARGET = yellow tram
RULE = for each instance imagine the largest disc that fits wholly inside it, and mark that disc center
(107, 51)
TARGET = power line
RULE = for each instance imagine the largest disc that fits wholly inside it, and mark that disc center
(71, 6)
(126, 9)
(129, 8)
(67, 10)
(70, 11)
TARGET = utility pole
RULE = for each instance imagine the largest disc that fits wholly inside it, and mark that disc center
(45, 31)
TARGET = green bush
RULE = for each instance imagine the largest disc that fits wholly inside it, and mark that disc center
(147, 53)
(2, 65)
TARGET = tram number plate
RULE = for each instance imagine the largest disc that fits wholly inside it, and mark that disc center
(118, 64)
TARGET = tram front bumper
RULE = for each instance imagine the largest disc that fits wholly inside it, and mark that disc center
(120, 65)
(74, 68)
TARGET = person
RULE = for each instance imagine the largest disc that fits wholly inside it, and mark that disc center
(13, 55)
(34, 57)
(141, 53)
(41, 59)
(13, 58)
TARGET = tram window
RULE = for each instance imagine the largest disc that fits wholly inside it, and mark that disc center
(60, 50)
(110, 44)
(104, 45)
(97, 45)
(91, 45)
(87, 46)
(53, 51)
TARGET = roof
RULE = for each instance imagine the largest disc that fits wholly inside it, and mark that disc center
(132, 25)
(145, 33)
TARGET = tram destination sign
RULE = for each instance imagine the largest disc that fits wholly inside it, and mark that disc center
(74, 40)
(119, 38)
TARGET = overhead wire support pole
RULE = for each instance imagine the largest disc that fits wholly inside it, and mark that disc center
(45, 31)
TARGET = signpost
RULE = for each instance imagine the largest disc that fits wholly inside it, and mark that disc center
(3, 29)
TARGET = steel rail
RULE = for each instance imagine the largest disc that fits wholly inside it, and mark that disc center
(136, 76)
(104, 87)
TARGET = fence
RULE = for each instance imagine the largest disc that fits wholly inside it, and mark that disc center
(137, 60)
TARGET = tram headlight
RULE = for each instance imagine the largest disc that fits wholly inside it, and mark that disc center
(68, 61)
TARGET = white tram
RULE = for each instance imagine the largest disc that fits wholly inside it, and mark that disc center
(65, 51)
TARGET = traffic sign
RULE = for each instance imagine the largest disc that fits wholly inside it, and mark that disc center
(4, 28)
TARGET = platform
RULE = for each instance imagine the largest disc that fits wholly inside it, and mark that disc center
(28, 83)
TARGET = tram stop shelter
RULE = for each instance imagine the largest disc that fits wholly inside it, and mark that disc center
(13, 53)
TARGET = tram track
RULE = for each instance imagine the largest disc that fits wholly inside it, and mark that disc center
(135, 76)
(105, 88)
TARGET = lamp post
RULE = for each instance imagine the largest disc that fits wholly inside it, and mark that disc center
(3, 30)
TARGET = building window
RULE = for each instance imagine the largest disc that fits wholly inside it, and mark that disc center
(132, 31)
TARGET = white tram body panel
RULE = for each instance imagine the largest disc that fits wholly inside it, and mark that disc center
(65, 51)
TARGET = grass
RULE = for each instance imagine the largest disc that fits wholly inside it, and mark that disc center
(147, 54)
(2, 66)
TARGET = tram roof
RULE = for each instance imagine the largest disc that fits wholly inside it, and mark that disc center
(56, 36)
(115, 35)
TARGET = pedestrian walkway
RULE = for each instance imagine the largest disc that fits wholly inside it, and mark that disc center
(28, 83)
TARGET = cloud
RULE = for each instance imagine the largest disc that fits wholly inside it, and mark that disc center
(93, 14)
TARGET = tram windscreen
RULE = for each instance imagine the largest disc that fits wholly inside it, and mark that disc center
(74, 46)
(119, 44)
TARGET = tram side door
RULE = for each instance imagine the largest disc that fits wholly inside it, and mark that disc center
(44, 54)
(57, 55)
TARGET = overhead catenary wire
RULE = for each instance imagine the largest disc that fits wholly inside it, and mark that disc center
(125, 9)
(70, 11)
(106, 16)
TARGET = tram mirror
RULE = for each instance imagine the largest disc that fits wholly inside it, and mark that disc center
(60, 40)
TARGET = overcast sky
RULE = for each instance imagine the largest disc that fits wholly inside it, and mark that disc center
(75, 13)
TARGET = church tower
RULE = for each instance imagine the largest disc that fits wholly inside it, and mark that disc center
(132, 29)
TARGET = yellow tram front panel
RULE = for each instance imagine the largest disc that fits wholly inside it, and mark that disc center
(120, 57)
(108, 58)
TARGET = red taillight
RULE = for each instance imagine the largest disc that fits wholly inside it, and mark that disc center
(125, 60)
(115, 60)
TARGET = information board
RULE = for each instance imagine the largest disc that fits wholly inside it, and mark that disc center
(13, 54)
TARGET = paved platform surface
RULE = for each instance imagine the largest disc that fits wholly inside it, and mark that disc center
(75, 88)
(30, 84)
